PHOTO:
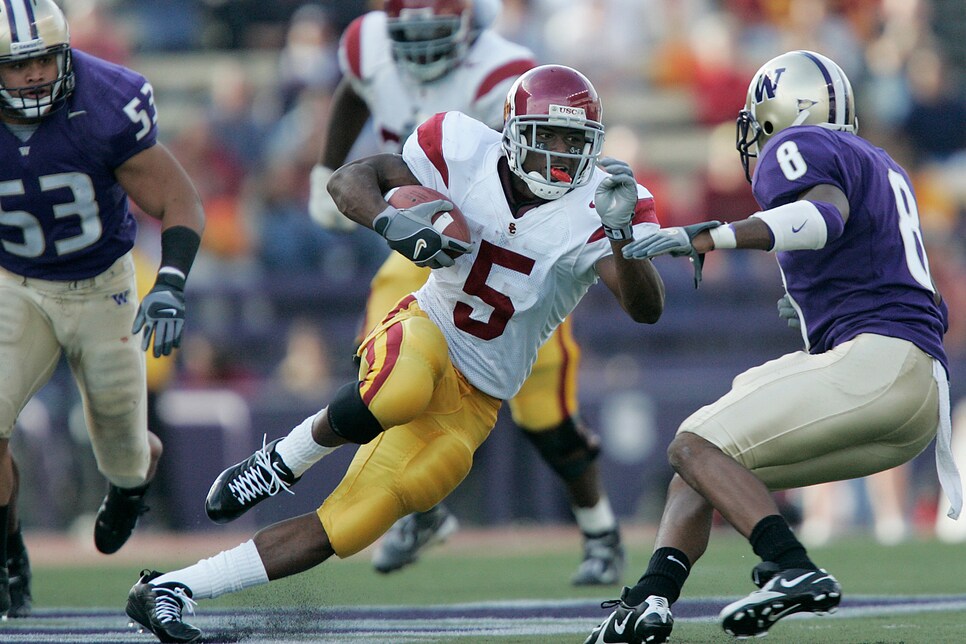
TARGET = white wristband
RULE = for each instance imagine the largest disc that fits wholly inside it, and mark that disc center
(723, 237)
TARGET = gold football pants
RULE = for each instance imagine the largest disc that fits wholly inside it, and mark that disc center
(434, 419)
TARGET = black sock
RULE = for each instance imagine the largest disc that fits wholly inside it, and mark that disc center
(666, 573)
(772, 540)
(134, 492)
(15, 544)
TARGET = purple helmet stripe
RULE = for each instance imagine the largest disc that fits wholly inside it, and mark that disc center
(828, 83)
(31, 19)
(12, 20)
(20, 15)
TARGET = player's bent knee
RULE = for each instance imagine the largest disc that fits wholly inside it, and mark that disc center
(680, 451)
(350, 418)
(568, 448)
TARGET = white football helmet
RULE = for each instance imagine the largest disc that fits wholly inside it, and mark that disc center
(556, 96)
(429, 37)
(31, 29)
(796, 88)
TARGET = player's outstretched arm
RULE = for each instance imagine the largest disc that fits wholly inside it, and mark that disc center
(157, 183)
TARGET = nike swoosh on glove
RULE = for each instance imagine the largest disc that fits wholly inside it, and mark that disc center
(161, 315)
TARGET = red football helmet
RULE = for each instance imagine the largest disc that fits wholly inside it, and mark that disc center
(429, 37)
(557, 96)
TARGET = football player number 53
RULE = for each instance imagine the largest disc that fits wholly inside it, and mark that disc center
(142, 112)
(83, 206)
(488, 257)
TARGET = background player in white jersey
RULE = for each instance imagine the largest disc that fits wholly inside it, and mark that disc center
(400, 67)
(78, 138)
(434, 372)
(868, 392)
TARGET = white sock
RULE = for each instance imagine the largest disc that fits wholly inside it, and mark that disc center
(227, 572)
(596, 520)
(298, 450)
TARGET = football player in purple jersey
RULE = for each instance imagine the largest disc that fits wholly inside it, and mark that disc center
(868, 392)
(78, 138)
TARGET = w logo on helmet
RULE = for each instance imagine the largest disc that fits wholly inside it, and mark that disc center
(767, 86)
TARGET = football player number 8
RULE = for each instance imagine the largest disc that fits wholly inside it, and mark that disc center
(909, 229)
(488, 257)
(793, 166)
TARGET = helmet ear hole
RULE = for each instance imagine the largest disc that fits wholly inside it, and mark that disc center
(767, 127)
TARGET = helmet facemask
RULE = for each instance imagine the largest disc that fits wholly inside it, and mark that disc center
(559, 98)
(22, 102)
(520, 140)
(748, 131)
(427, 47)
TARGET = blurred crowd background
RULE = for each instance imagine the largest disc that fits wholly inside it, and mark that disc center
(243, 89)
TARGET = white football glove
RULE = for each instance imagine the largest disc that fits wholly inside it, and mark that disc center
(615, 200)
(675, 242)
(615, 166)
(322, 208)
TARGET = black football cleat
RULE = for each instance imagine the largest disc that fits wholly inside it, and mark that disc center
(649, 622)
(242, 486)
(116, 519)
(790, 591)
(158, 608)
(21, 600)
(4, 591)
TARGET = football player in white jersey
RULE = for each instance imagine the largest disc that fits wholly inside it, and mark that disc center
(78, 139)
(546, 222)
(401, 66)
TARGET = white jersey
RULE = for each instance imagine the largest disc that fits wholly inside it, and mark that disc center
(498, 304)
(398, 102)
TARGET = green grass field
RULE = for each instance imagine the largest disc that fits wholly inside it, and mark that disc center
(526, 567)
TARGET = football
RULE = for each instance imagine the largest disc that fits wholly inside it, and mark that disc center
(451, 223)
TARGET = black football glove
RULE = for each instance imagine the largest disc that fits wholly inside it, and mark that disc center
(161, 314)
(410, 232)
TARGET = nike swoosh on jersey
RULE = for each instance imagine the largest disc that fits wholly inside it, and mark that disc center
(71, 115)
(798, 228)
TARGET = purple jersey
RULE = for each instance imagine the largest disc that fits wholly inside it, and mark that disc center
(63, 215)
(873, 278)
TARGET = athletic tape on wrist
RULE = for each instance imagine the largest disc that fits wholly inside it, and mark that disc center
(723, 237)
